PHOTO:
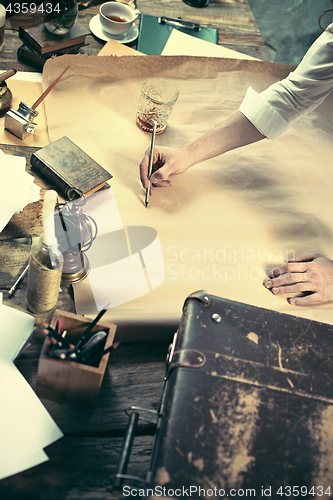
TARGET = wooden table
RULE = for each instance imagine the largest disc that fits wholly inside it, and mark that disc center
(233, 19)
(83, 463)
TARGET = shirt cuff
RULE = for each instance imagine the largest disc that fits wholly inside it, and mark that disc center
(263, 116)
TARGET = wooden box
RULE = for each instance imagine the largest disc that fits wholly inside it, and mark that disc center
(68, 381)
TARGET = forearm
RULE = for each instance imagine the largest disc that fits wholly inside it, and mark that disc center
(235, 132)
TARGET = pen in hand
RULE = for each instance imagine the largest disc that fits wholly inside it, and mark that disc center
(151, 158)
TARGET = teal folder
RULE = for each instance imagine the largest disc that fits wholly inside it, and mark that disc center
(153, 35)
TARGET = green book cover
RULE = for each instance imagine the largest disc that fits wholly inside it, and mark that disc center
(153, 35)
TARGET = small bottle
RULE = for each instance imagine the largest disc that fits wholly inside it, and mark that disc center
(45, 263)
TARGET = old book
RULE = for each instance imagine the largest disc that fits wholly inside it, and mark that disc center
(27, 55)
(69, 168)
(40, 40)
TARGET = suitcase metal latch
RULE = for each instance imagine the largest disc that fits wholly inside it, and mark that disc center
(187, 358)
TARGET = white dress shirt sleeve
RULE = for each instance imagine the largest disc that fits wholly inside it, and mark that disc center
(273, 110)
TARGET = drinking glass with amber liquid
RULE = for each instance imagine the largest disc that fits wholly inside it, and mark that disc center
(157, 99)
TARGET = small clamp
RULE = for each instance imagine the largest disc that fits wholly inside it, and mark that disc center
(178, 22)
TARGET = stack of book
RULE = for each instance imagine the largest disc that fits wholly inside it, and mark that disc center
(39, 45)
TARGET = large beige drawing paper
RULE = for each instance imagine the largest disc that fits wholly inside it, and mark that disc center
(227, 219)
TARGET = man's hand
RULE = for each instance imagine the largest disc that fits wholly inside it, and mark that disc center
(166, 162)
(233, 133)
(306, 273)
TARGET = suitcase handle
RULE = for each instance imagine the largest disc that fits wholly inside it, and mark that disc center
(127, 446)
(126, 449)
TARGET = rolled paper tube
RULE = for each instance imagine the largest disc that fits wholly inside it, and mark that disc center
(50, 201)
(7, 74)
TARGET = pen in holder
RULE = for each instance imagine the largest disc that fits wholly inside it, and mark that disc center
(20, 122)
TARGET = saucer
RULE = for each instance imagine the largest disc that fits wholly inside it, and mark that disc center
(97, 30)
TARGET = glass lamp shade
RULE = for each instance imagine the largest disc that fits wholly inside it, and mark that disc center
(75, 232)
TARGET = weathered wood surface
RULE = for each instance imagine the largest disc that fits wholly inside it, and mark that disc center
(78, 469)
(134, 377)
(233, 19)
(8, 55)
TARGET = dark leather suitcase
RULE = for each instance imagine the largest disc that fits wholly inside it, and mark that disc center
(247, 406)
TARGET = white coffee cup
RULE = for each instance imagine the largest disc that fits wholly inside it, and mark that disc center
(116, 18)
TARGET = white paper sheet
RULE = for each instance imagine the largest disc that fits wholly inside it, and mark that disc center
(25, 425)
(26, 76)
(126, 263)
(17, 187)
(27, 463)
(15, 329)
(102, 207)
(182, 44)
